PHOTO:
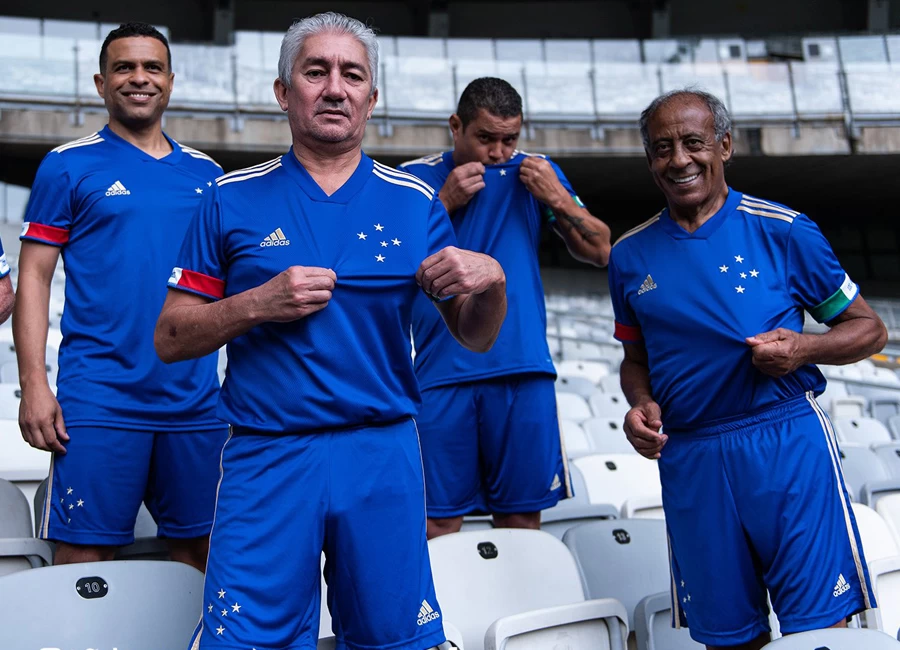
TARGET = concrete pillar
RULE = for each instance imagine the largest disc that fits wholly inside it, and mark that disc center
(223, 22)
(662, 19)
(879, 15)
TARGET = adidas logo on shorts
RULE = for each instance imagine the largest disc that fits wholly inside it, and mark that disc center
(841, 587)
(277, 238)
(426, 614)
(117, 189)
(556, 484)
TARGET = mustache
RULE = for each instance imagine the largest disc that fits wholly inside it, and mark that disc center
(332, 106)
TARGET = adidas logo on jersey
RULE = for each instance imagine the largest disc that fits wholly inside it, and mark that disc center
(841, 587)
(648, 285)
(556, 484)
(426, 614)
(117, 189)
(277, 238)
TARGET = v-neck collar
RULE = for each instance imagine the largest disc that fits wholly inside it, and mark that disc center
(308, 184)
(710, 226)
(172, 158)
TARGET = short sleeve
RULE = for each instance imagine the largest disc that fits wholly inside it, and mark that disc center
(627, 329)
(566, 185)
(815, 278)
(49, 214)
(440, 231)
(4, 265)
(201, 266)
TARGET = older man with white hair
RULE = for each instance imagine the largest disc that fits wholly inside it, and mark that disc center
(307, 266)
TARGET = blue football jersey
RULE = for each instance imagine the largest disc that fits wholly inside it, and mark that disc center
(119, 216)
(348, 365)
(4, 265)
(693, 298)
(502, 220)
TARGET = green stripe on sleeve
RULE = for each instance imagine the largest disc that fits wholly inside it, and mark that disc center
(836, 303)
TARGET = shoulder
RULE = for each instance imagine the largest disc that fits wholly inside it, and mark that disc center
(249, 177)
(401, 181)
(432, 160)
(769, 212)
(204, 159)
(635, 233)
(522, 155)
(77, 146)
(73, 153)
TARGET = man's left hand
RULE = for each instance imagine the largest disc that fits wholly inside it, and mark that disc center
(541, 180)
(453, 272)
(778, 352)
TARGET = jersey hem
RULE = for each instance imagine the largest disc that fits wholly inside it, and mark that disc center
(744, 635)
(479, 376)
(148, 427)
(430, 640)
(184, 532)
(89, 538)
(194, 291)
(41, 241)
(792, 625)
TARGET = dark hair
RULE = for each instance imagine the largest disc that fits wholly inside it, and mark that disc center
(127, 30)
(494, 95)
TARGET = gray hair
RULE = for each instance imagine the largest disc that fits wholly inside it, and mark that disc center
(721, 118)
(328, 22)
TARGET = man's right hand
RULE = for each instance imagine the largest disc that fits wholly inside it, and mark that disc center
(295, 293)
(642, 425)
(41, 420)
(461, 185)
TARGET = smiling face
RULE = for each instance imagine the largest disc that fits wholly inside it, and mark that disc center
(487, 139)
(330, 98)
(137, 82)
(686, 160)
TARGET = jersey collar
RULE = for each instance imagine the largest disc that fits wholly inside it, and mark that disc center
(344, 193)
(172, 159)
(707, 229)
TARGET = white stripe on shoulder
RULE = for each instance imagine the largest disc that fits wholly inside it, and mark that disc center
(749, 200)
(530, 155)
(764, 213)
(404, 183)
(390, 171)
(224, 180)
(250, 170)
(196, 153)
(430, 161)
(639, 228)
(94, 138)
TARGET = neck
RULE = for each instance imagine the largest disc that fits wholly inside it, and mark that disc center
(693, 216)
(149, 139)
(330, 166)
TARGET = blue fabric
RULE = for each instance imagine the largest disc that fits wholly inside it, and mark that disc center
(119, 216)
(693, 298)
(759, 502)
(349, 364)
(97, 486)
(4, 265)
(492, 446)
(359, 496)
(504, 221)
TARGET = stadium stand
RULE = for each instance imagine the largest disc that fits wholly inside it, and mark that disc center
(653, 626)
(614, 478)
(860, 465)
(889, 453)
(18, 548)
(834, 639)
(878, 542)
(577, 510)
(885, 575)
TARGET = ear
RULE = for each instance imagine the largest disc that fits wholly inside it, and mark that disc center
(372, 101)
(727, 149)
(99, 83)
(280, 93)
(456, 126)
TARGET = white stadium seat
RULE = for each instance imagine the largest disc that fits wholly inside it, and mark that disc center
(20, 463)
(578, 385)
(18, 548)
(645, 507)
(606, 436)
(573, 407)
(835, 639)
(860, 465)
(593, 371)
(653, 626)
(877, 540)
(863, 431)
(615, 478)
(889, 453)
(609, 405)
(576, 510)
(885, 576)
(575, 439)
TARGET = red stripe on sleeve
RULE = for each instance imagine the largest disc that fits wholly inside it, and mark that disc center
(44, 233)
(202, 284)
(627, 333)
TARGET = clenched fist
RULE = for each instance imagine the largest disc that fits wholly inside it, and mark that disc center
(642, 425)
(295, 293)
(461, 185)
(454, 272)
(541, 180)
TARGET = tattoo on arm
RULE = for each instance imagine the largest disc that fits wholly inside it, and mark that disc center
(570, 222)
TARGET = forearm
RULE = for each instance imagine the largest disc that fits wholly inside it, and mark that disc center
(191, 331)
(450, 205)
(480, 318)
(635, 381)
(586, 236)
(30, 324)
(846, 342)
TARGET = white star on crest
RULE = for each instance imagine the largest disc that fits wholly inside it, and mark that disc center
(682, 583)
(754, 273)
(738, 259)
(379, 227)
(384, 244)
(62, 500)
(743, 276)
(80, 502)
(69, 491)
(361, 235)
(689, 598)
(236, 608)
(220, 629)
(71, 506)
(739, 289)
(209, 609)
(380, 258)
(224, 612)
(723, 269)
(198, 190)
(396, 241)
(221, 593)
(209, 184)
(503, 172)
(684, 600)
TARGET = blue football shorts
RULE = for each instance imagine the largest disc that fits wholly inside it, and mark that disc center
(96, 488)
(357, 494)
(759, 503)
(492, 446)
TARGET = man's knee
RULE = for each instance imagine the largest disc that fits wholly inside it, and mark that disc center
(443, 526)
(77, 553)
(530, 520)
(193, 552)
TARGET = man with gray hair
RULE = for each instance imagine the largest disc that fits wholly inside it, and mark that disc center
(320, 389)
(709, 298)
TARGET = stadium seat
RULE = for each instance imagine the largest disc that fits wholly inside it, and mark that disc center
(606, 436)
(612, 383)
(134, 605)
(581, 350)
(894, 426)
(885, 576)
(848, 406)
(591, 625)
(576, 510)
(609, 405)
(889, 453)
(883, 409)
(20, 463)
(878, 542)
(615, 478)
(18, 548)
(573, 407)
(622, 559)
(860, 465)
(593, 371)
(863, 431)
(483, 576)
(833, 388)
(653, 626)
(646, 507)
(578, 385)
(835, 639)
(10, 398)
(575, 439)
